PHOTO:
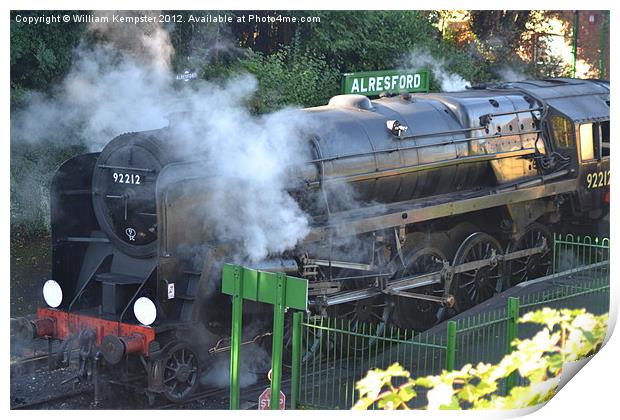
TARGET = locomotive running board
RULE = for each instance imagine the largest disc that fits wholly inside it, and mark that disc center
(403, 213)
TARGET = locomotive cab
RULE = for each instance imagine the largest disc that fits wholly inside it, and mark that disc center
(582, 143)
(594, 144)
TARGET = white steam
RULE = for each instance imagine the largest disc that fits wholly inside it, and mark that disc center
(124, 83)
(250, 161)
(509, 74)
(423, 59)
(121, 83)
(254, 361)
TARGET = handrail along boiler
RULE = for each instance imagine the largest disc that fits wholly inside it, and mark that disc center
(455, 194)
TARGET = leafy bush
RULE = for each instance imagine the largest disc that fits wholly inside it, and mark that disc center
(32, 168)
(40, 54)
(568, 335)
(286, 77)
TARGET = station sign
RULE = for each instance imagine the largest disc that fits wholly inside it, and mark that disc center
(186, 76)
(373, 83)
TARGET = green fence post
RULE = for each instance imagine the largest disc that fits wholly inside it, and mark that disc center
(451, 346)
(296, 359)
(235, 339)
(511, 334)
(575, 38)
(602, 42)
(277, 343)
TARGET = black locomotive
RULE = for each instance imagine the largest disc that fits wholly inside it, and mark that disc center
(456, 194)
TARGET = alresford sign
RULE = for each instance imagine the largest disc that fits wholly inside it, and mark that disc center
(372, 83)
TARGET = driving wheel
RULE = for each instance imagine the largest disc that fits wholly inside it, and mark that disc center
(531, 266)
(181, 373)
(478, 284)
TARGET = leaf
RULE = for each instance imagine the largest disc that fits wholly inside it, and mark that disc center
(555, 362)
(439, 396)
(406, 393)
(389, 401)
(426, 382)
(454, 405)
(363, 403)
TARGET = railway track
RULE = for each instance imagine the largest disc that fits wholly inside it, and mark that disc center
(48, 400)
(211, 393)
(32, 363)
(19, 366)
(218, 393)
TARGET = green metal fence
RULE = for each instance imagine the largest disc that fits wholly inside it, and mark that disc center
(335, 354)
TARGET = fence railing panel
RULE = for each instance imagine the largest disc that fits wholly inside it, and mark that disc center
(338, 353)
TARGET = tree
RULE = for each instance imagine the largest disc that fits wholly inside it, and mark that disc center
(500, 30)
(40, 54)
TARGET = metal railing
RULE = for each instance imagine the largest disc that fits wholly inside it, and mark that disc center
(335, 353)
(338, 353)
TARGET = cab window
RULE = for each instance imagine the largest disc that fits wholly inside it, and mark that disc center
(563, 133)
(605, 138)
(586, 141)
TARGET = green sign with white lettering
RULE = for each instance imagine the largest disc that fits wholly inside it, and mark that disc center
(372, 83)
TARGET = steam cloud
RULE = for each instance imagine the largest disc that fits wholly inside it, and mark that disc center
(124, 82)
(254, 361)
(423, 59)
(508, 74)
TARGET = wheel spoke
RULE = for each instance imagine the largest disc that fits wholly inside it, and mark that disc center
(519, 271)
(376, 316)
(464, 285)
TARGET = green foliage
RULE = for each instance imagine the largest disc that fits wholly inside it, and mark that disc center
(289, 78)
(568, 335)
(40, 54)
(368, 40)
(286, 77)
(32, 167)
(500, 30)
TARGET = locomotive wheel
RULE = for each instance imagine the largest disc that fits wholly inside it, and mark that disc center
(473, 287)
(418, 314)
(310, 342)
(181, 373)
(533, 266)
(368, 317)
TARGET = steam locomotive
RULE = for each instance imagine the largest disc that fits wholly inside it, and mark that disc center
(455, 198)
